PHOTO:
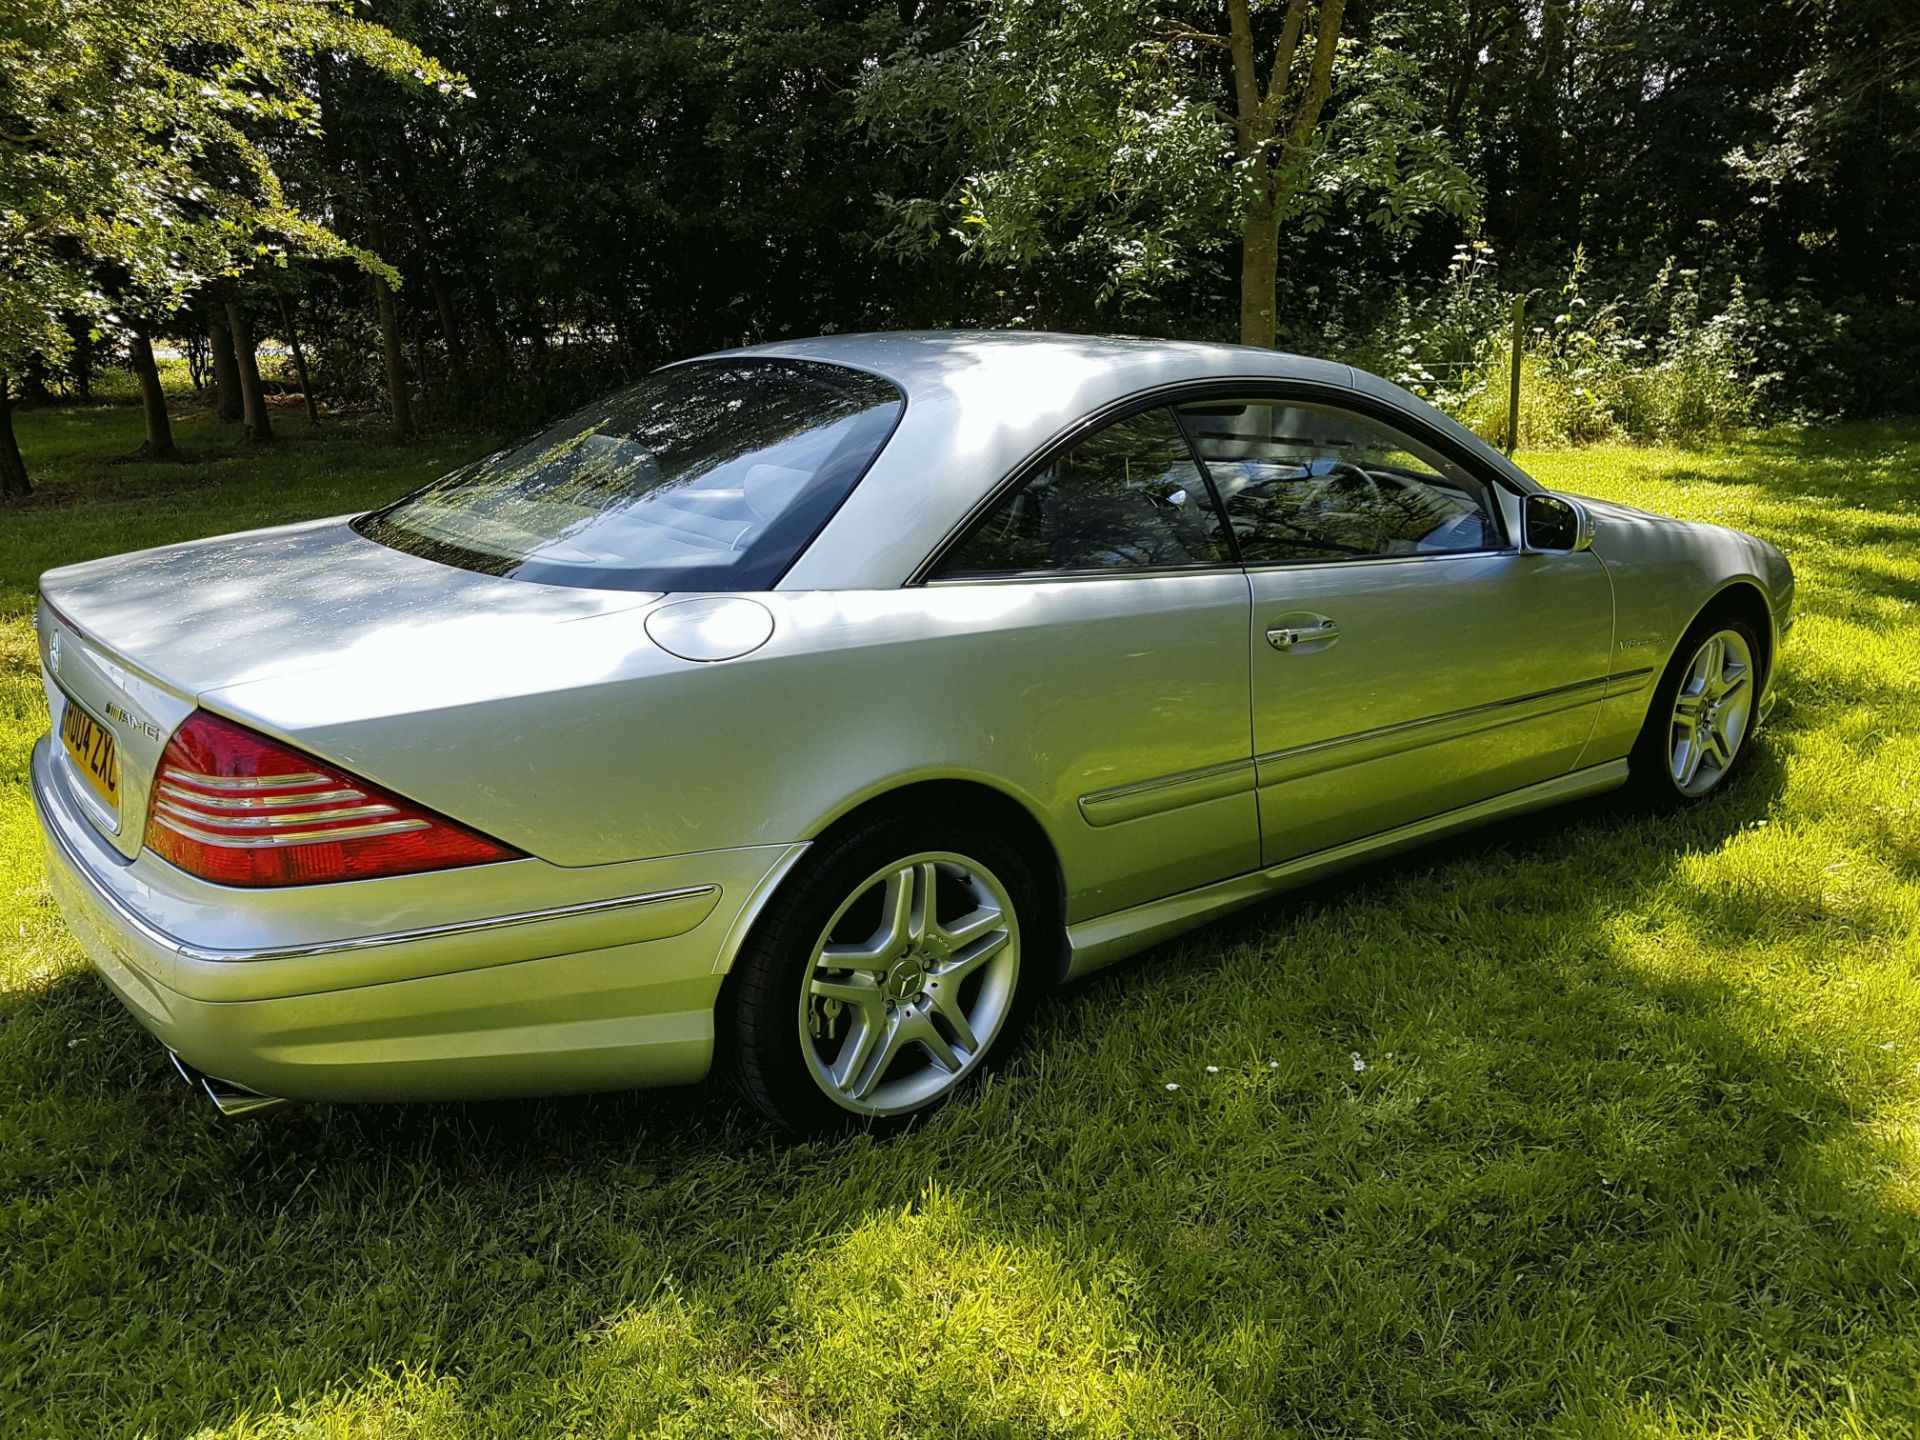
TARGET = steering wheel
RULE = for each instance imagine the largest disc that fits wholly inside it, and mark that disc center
(1322, 475)
(1341, 470)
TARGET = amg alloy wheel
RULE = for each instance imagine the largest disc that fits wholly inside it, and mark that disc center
(1699, 724)
(910, 983)
(891, 967)
(1712, 713)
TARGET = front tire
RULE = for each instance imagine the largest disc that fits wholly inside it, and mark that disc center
(892, 967)
(1700, 723)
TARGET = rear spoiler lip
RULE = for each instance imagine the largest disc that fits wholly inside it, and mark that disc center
(118, 657)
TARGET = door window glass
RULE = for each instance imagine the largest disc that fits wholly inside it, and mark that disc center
(1128, 497)
(1308, 482)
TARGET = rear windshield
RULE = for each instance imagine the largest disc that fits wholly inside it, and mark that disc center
(713, 475)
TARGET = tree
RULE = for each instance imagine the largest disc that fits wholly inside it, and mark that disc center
(399, 405)
(132, 141)
(153, 398)
(299, 356)
(1272, 130)
(1139, 140)
(227, 401)
(253, 400)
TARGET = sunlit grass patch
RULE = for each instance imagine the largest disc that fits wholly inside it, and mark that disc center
(1596, 1124)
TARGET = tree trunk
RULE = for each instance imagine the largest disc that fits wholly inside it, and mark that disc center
(253, 401)
(299, 360)
(1269, 143)
(499, 348)
(33, 383)
(1259, 273)
(419, 330)
(14, 483)
(153, 400)
(396, 363)
(227, 403)
(437, 284)
(80, 365)
(537, 338)
(456, 349)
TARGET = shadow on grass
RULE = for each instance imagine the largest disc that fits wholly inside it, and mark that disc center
(1567, 1188)
(1588, 1123)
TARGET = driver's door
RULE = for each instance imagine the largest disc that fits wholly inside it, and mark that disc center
(1407, 659)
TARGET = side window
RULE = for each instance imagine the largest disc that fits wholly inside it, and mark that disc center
(1308, 482)
(1128, 497)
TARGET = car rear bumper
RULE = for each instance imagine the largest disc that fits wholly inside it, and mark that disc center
(521, 978)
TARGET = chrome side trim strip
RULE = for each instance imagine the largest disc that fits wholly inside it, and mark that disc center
(1167, 792)
(456, 927)
(1625, 682)
(165, 940)
(1105, 939)
(1276, 767)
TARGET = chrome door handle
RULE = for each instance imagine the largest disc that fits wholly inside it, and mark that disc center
(1285, 637)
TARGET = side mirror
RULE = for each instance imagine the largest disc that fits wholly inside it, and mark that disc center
(1555, 525)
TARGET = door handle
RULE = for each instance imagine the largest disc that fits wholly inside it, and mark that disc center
(1286, 637)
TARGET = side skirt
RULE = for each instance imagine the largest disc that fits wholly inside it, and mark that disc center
(1094, 944)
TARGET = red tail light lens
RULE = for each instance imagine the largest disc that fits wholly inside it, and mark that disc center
(234, 807)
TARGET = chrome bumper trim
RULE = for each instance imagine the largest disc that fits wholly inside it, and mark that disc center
(154, 935)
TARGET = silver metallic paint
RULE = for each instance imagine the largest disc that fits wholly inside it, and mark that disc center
(1176, 761)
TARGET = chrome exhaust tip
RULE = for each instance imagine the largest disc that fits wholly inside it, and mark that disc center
(227, 1097)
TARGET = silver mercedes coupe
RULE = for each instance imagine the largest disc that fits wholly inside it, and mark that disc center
(820, 705)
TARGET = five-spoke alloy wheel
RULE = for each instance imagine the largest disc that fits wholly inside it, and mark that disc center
(1712, 713)
(886, 972)
(1702, 714)
(910, 983)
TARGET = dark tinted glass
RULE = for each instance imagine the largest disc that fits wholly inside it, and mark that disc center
(707, 476)
(1128, 497)
(1306, 482)
(1552, 523)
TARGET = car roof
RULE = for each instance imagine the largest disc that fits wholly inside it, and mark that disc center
(1040, 370)
(980, 403)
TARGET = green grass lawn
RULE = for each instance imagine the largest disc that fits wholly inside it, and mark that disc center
(1593, 1125)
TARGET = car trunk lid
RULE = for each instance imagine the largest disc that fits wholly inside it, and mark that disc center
(129, 644)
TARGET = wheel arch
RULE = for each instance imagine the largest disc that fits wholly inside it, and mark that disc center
(1009, 814)
(1740, 598)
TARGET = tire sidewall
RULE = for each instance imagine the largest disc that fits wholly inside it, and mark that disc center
(771, 971)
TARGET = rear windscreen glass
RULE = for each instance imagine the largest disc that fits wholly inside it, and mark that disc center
(713, 475)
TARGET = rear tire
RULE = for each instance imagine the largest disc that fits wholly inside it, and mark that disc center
(895, 964)
(1699, 726)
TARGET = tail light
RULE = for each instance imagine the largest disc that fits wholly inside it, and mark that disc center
(234, 807)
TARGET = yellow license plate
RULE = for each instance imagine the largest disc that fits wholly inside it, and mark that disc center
(90, 745)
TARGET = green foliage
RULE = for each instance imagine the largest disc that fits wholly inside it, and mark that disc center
(1659, 371)
(134, 148)
(1655, 367)
(1088, 152)
(1635, 1149)
(1099, 143)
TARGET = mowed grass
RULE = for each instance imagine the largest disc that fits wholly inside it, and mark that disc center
(1593, 1125)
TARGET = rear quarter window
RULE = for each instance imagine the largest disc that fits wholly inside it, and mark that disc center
(712, 475)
